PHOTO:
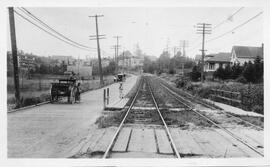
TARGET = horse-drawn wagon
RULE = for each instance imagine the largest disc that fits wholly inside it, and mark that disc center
(64, 88)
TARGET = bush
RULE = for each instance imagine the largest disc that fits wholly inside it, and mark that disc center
(204, 92)
(171, 71)
(258, 109)
(181, 82)
(241, 79)
(195, 75)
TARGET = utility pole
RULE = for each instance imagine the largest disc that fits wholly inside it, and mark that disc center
(117, 50)
(184, 45)
(174, 51)
(78, 65)
(203, 28)
(123, 59)
(14, 56)
(114, 47)
(98, 37)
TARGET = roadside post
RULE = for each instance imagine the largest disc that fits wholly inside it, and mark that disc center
(121, 90)
(108, 96)
(104, 98)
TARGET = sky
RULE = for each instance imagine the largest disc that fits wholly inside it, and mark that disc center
(153, 29)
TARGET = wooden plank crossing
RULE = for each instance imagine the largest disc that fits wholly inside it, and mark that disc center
(185, 143)
(104, 142)
(246, 150)
(164, 145)
(122, 140)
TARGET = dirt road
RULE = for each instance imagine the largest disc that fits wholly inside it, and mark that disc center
(50, 130)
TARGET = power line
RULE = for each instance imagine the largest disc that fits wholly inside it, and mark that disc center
(216, 26)
(228, 18)
(240, 25)
(235, 27)
(52, 29)
(49, 32)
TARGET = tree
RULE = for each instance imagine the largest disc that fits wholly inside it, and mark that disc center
(219, 73)
(149, 66)
(227, 72)
(236, 71)
(195, 74)
(249, 72)
(258, 69)
(164, 60)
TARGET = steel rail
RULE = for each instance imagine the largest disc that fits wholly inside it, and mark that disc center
(207, 105)
(122, 122)
(164, 123)
(205, 117)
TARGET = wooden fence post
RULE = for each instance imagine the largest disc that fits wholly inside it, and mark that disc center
(104, 98)
(108, 95)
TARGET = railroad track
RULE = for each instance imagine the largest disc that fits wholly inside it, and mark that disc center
(143, 86)
(183, 101)
(211, 107)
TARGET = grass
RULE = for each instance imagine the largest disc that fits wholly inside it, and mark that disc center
(259, 121)
(184, 118)
(253, 94)
(111, 118)
(31, 93)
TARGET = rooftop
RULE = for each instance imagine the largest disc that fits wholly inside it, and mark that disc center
(220, 57)
(248, 51)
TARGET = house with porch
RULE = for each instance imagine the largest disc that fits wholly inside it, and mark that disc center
(213, 61)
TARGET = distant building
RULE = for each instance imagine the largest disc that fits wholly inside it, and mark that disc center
(104, 62)
(131, 62)
(81, 68)
(214, 61)
(62, 59)
(242, 54)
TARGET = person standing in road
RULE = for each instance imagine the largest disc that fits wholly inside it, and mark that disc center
(121, 96)
(78, 93)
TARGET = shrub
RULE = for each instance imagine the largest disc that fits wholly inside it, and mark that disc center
(204, 92)
(195, 74)
(241, 79)
(258, 109)
(181, 82)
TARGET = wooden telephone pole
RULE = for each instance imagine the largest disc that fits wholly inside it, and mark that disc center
(117, 51)
(14, 56)
(98, 37)
(203, 28)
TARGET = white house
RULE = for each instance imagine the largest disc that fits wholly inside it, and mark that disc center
(216, 60)
(130, 62)
(242, 54)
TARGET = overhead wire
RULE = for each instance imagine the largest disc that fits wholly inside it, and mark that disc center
(28, 13)
(16, 12)
(232, 30)
(216, 26)
(228, 18)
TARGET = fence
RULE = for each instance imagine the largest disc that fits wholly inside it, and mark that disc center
(236, 99)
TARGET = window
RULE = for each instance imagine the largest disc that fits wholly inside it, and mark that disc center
(211, 66)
